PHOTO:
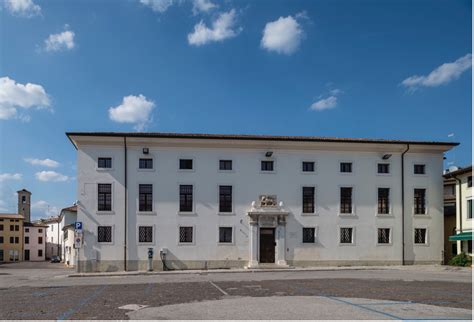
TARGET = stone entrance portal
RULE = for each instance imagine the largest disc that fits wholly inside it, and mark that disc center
(267, 232)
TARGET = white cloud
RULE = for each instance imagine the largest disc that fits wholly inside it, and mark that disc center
(45, 162)
(335, 91)
(14, 95)
(222, 28)
(61, 41)
(44, 208)
(22, 8)
(134, 109)
(10, 176)
(158, 5)
(441, 75)
(283, 36)
(51, 176)
(324, 104)
(203, 6)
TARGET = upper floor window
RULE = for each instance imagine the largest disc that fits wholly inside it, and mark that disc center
(346, 200)
(346, 167)
(420, 201)
(17, 227)
(27, 230)
(1, 227)
(308, 235)
(145, 163)
(40, 240)
(266, 165)
(308, 166)
(104, 234)
(225, 234)
(225, 198)
(383, 168)
(185, 198)
(145, 198)
(104, 197)
(27, 240)
(346, 235)
(104, 163)
(308, 200)
(419, 169)
(12, 227)
(145, 234)
(383, 236)
(185, 164)
(40, 230)
(23, 199)
(1, 241)
(383, 203)
(469, 181)
(225, 165)
(469, 209)
(420, 236)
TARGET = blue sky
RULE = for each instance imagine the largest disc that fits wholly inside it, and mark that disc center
(378, 69)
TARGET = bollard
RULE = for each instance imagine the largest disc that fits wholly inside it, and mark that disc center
(150, 259)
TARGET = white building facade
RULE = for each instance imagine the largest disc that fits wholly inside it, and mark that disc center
(53, 236)
(220, 201)
(34, 246)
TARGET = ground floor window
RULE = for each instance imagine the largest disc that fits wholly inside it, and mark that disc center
(104, 234)
(308, 235)
(420, 235)
(469, 246)
(185, 234)
(1, 255)
(40, 253)
(145, 234)
(346, 235)
(383, 236)
(225, 234)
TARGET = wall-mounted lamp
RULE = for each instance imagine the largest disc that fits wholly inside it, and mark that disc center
(386, 156)
(269, 154)
(146, 151)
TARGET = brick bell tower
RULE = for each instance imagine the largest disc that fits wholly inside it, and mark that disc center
(24, 204)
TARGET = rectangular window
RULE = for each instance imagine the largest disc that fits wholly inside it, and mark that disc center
(40, 253)
(40, 240)
(308, 235)
(346, 200)
(308, 200)
(419, 169)
(225, 198)
(186, 198)
(225, 165)
(185, 234)
(420, 235)
(17, 227)
(104, 197)
(346, 167)
(266, 166)
(12, 240)
(104, 163)
(27, 240)
(383, 236)
(469, 246)
(469, 209)
(308, 166)
(1, 227)
(12, 227)
(185, 164)
(383, 200)
(383, 168)
(17, 240)
(345, 236)
(420, 201)
(145, 198)
(40, 230)
(1, 239)
(145, 234)
(27, 230)
(469, 181)
(104, 234)
(145, 163)
(225, 234)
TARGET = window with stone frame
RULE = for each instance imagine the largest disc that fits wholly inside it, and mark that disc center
(308, 166)
(104, 234)
(346, 200)
(185, 198)
(420, 235)
(145, 163)
(346, 167)
(185, 234)
(104, 197)
(346, 235)
(308, 200)
(225, 235)
(225, 165)
(145, 234)
(383, 236)
(225, 199)
(145, 197)
(383, 202)
(419, 201)
(104, 163)
(309, 235)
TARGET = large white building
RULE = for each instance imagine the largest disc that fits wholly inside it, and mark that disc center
(219, 201)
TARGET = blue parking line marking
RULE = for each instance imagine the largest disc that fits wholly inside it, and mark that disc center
(85, 301)
(360, 306)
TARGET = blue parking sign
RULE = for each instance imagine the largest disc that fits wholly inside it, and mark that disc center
(78, 225)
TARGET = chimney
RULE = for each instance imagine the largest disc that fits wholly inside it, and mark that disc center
(24, 204)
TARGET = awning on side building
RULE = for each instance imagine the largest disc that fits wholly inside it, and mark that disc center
(461, 236)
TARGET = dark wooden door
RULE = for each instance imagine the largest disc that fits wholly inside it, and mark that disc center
(267, 245)
(27, 254)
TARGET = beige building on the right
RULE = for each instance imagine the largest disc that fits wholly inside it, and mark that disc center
(458, 203)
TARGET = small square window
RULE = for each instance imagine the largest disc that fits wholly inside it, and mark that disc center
(345, 236)
(40, 230)
(185, 234)
(308, 235)
(419, 169)
(383, 168)
(145, 163)
(185, 164)
(104, 234)
(104, 163)
(225, 165)
(420, 235)
(266, 166)
(346, 167)
(225, 234)
(308, 166)
(145, 234)
(383, 236)
(27, 230)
